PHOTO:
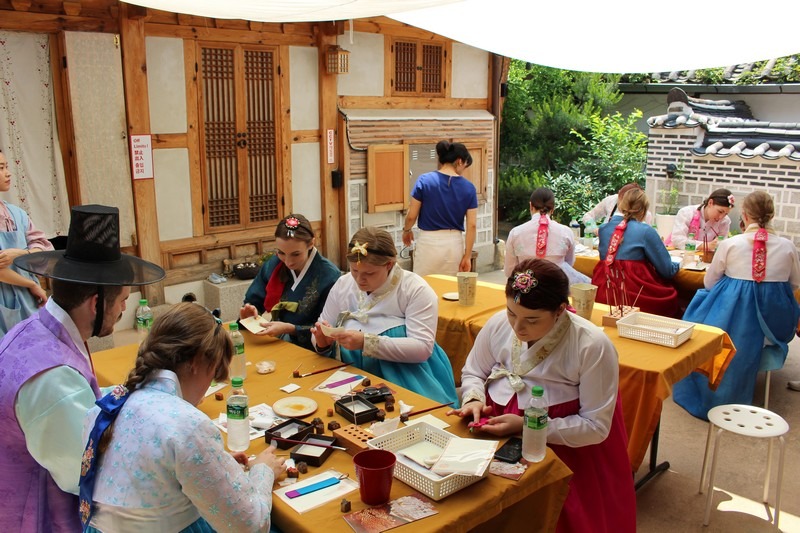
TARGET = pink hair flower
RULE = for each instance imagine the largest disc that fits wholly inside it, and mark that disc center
(524, 282)
(292, 223)
(731, 200)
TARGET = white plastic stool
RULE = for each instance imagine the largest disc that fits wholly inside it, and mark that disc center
(748, 421)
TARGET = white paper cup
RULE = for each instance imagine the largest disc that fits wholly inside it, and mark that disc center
(583, 295)
(467, 286)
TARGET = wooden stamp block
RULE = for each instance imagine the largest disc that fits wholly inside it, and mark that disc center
(353, 438)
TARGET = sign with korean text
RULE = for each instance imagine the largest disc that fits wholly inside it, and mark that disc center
(330, 147)
(142, 156)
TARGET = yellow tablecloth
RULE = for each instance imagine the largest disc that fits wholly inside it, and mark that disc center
(491, 505)
(647, 371)
(458, 324)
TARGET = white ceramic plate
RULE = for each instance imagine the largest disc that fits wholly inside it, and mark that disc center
(294, 406)
(452, 296)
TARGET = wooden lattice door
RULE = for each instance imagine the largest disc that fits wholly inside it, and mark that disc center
(239, 137)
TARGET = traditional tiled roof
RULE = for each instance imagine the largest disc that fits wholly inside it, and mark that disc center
(777, 70)
(730, 128)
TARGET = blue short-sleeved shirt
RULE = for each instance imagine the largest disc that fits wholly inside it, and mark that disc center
(445, 201)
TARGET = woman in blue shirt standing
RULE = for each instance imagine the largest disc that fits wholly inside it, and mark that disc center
(441, 200)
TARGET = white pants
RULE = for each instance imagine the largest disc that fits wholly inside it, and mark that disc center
(438, 252)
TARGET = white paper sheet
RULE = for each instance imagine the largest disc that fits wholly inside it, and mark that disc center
(469, 457)
(341, 390)
(429, 419)
(262, 417)
(253, 323)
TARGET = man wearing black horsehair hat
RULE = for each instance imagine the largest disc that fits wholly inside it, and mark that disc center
(47, 380)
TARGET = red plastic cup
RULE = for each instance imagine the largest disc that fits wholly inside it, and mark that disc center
(374, 470)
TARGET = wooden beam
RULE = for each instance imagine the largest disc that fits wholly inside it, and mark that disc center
(72, 7)
(229, 35)
(306, 136)
(52, 23)
(328, 113)
(285, 186)
(410, 102)
(169, 140)
(21, 5)
(134, 70)
(64, 119)
(193, 134)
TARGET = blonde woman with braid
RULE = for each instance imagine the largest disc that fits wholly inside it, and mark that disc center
(153, 461)
(634, 265)
(389, 318)
(749, 294)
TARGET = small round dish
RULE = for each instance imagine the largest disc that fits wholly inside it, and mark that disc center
(451, 296)
(294, 406)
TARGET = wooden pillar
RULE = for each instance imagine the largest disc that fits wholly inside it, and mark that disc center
(134, 71)
(332, 215)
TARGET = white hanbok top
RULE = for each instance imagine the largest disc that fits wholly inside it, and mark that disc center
(166, 466)
(583, 365)
(521, 244)
(606, 208)
(403, 299)
(734, 258)
(708, 230)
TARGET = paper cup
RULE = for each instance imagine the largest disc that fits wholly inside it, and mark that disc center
(467, 285)
(583, 295)
(374, 470)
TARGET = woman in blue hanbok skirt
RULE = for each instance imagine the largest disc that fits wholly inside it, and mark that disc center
(389, 318)
(749, 294)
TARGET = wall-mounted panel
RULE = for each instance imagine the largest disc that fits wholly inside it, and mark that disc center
(166, 84)
(304, 87)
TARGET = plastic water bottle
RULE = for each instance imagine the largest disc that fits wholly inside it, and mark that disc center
(691, 244)
(238, 362)
(534, 429)
(576, 229)
(238, 418)
(589, 233)
(144, 319)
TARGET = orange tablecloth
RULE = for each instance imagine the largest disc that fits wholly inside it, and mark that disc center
(687, 282)
(458, 324)
(647, 371)
(492, 504)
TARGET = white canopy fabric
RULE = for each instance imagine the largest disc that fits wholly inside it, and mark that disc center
(609, 36)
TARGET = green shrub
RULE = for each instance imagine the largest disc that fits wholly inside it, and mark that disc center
(575, 195)
(516, 186)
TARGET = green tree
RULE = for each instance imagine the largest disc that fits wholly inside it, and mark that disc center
(615, 151)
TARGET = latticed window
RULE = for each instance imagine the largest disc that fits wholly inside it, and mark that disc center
(418, 68)
(239, 136)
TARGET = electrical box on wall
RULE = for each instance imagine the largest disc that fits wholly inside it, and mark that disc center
(336, 178)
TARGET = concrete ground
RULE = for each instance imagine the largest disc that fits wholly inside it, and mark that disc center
(670, 502)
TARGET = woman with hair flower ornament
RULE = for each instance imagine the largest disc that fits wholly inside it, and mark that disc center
(389, 317)
(536, 342)
(292, 285)
(706, 221)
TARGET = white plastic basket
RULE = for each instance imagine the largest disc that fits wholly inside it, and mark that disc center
(655, 329)
(431, 485)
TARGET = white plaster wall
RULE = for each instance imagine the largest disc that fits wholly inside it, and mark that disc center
(470, 72)
(305, 180)
(166, 84)
(304, 87)
(366, 65)
(101, 137)
(173, 193)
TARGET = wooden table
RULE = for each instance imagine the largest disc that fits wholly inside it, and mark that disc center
(647, 371)
(687, 282)
(492, 504)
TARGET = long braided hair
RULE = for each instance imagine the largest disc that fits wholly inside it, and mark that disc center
(184, 333)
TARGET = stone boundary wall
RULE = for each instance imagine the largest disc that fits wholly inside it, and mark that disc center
(779, 177)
